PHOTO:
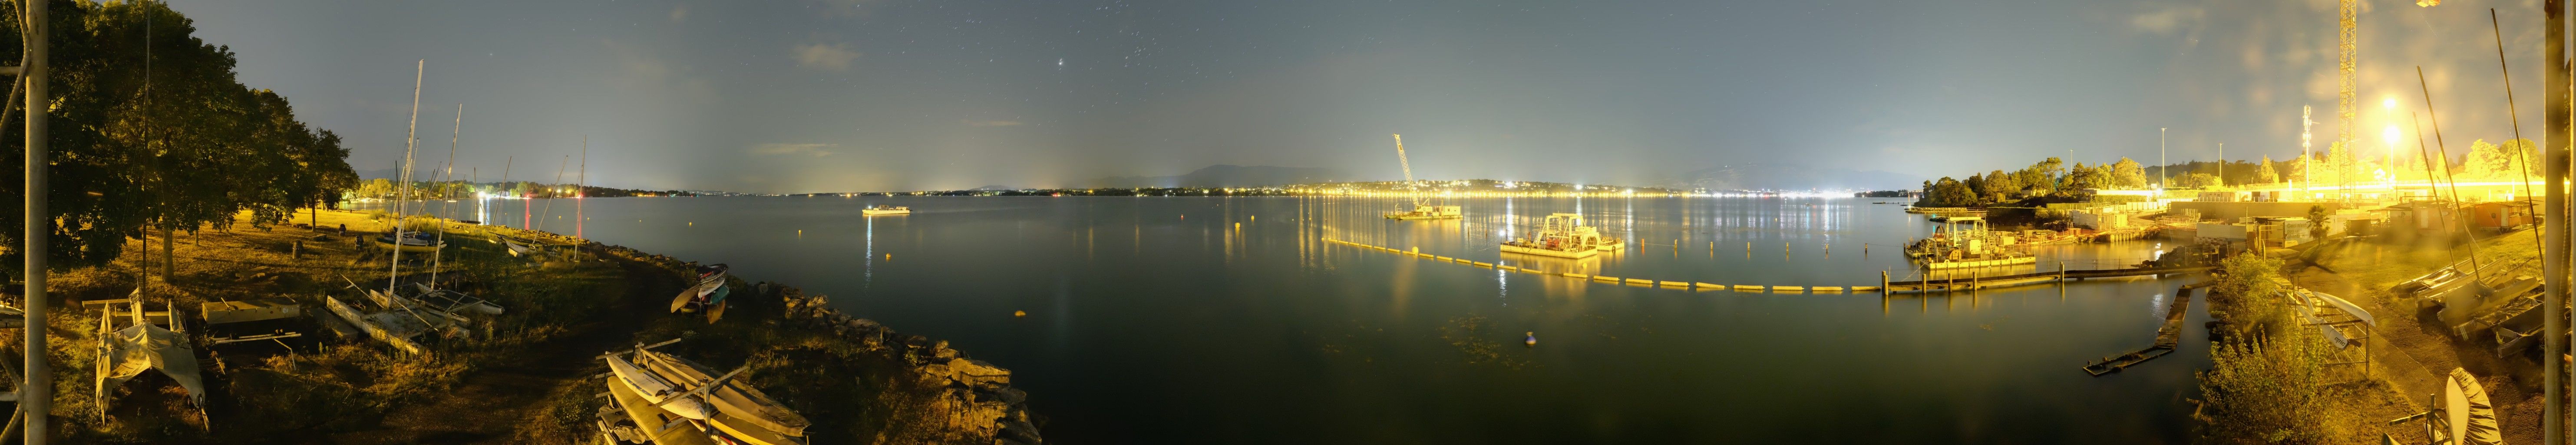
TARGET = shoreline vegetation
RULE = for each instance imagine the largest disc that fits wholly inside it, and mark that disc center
(525, 377)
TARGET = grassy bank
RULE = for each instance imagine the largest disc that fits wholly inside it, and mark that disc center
(523, 377)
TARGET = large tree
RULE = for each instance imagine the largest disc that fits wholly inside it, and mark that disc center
(2127, 174)
(2265, 174)
(182, 147)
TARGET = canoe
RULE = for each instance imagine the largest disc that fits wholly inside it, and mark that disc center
(742, 412)
(654, 389)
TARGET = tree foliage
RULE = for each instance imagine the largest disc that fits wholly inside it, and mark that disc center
(187, 146)
(2127, 174)
(2266, 174)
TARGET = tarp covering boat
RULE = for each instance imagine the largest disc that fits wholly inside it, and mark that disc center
(2470, 416)
(128, 352)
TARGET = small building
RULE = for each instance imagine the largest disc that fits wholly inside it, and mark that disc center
(2428, 216)
(2503, 215)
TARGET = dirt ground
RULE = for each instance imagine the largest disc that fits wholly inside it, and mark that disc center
(2414, 353)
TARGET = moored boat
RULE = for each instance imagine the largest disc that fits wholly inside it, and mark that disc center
(1429, 212)
(1965, 242)
(885, 210)
(1562, 235)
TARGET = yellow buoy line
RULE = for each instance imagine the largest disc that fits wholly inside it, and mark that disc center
(1640, 282)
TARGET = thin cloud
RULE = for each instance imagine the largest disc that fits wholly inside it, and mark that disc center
(679, 13)
(2165, 19)
(834, 57)
(991, 123)
(816, 150)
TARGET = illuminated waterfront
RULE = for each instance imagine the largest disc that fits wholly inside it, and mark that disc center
(1158, 320)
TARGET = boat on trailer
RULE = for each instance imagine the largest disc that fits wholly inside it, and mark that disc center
(415, 242)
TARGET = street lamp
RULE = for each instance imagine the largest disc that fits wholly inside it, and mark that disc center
(2390, 134)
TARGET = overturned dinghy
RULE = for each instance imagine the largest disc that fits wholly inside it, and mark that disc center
(708, 295)
(129, 344)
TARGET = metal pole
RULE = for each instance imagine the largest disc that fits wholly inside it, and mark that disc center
(411, 140)
(2553, 331)
(35, 394)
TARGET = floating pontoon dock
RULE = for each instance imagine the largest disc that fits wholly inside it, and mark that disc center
(2168, 336)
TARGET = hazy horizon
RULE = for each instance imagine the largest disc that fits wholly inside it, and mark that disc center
(826, 95)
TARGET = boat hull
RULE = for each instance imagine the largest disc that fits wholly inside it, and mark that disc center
(1585, 253)
(884, 212)
(409, 247)
(1966, 264)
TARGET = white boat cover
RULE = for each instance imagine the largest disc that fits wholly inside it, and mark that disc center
(2471, 416)
(128, 352)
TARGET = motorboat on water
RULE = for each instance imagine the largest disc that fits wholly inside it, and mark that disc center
(882, 209)
(1562, 235)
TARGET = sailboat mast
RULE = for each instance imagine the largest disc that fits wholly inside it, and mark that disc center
(411, 141)
(439, 250)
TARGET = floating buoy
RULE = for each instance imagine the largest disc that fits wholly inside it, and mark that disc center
(1531, 339)
(1019, 313)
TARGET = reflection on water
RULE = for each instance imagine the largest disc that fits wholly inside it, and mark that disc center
(1232, 318)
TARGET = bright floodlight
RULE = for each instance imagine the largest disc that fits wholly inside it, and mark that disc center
(2390, 103)
(2389, 134)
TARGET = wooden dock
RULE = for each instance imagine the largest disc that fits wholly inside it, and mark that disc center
(1973, 282)
(2168, 336)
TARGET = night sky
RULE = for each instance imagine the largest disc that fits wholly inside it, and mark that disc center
(842, 95)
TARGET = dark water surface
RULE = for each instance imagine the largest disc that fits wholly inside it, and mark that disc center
(1195, 320)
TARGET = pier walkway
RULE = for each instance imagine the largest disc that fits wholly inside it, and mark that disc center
(1944, 284)
(1974, 282)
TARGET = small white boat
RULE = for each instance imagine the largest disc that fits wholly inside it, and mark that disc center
(885, 210)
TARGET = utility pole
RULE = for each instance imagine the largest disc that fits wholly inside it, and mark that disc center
(2163, 170)
(2554, 253)
(2307, 161)
(2222, 164)
(36, 393)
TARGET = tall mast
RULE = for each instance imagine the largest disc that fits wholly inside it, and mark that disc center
(402, 197)
(581, 187)
(444, 187)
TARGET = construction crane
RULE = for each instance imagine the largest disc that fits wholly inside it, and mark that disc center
(2347, 100)
(1422, 209)
(1407, 163)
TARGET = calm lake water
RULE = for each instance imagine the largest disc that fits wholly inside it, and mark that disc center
(1193, 320)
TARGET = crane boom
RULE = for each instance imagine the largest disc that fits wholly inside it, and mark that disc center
(1401, 160)
(1407, 163)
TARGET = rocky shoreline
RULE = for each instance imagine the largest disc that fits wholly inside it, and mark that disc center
(975, 398)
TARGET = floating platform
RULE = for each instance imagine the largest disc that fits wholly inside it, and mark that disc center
(2168, 336)
(1971, 264)
(1982, 282)
(1585, 252)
